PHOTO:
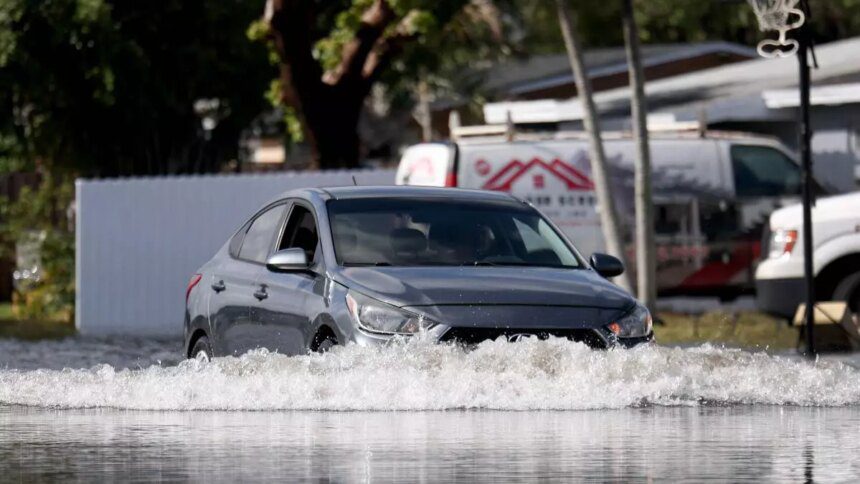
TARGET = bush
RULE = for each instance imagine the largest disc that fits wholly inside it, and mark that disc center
(43, 210)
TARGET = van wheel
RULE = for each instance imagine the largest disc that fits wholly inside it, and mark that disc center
(202, 349)
(848, 290)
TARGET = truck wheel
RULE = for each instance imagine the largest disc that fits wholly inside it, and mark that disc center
(848, 290)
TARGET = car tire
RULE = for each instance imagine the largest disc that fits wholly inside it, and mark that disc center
(324, 343)
(202, 349)
(848, 290)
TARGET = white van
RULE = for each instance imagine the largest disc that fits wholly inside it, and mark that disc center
(713, 193)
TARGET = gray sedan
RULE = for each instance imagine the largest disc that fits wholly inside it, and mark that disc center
(328, 266)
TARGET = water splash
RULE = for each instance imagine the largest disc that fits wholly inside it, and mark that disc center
(417, 375)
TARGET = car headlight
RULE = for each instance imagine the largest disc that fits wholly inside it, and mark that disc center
(635, 324)
(781, 242)
(377, 317)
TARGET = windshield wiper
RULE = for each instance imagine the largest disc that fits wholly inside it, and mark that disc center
(479, 263)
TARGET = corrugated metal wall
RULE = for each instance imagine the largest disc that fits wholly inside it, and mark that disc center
(139, 240)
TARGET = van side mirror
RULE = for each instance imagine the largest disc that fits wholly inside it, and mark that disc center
(293, 259)
(607, 265)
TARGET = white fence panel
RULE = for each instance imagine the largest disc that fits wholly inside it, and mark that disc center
(138, 240)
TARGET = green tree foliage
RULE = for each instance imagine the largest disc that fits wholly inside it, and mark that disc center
(41, 216)
(666, 21)
(331, 53)
(103, 87)
(108, 88)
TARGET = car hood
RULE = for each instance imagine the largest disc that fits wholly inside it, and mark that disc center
(490, 286)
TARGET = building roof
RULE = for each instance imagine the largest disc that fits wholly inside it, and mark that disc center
(829, 95)
(733, 91)
(551, 70)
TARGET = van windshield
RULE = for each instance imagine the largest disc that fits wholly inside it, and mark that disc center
(405, 232)
(761, 171)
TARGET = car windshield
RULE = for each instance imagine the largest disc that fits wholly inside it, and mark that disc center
(407, 232)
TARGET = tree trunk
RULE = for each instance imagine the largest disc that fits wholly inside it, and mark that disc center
(331, 128)
(422, 111)
(599, 168)
(329, 104)
(646, 262)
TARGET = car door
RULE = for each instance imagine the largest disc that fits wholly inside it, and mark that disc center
(284, 316)
(233, 284)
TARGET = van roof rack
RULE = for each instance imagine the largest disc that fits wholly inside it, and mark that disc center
(488, 133)
(657, 123)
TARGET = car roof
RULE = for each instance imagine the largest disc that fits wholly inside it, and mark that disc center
(356, 192)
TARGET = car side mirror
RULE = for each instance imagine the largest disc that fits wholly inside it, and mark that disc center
(293, 259)
(607, 265)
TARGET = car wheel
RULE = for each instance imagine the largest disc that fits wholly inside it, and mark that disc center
(202, 349)
(324, 342)
(848, 290)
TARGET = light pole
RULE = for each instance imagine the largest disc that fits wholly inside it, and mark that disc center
(210, 112)
(782, 16)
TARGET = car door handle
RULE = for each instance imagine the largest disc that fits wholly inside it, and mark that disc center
(261, 293)
(219, 286)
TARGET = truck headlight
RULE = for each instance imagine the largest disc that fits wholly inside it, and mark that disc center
(781, 242)
(635, 324)
(378, 317)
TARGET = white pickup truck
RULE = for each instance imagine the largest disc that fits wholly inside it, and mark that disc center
(836, 238)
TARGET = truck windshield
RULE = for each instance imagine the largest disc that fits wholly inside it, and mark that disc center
(405, 232)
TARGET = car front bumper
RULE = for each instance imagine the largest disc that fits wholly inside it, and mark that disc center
(598, 338)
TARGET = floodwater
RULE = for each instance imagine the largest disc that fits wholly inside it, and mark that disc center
(88, 410)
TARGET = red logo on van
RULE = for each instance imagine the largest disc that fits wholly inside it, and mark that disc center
(516, 169)
(422, 165)
(482, 167)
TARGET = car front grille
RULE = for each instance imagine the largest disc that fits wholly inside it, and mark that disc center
(473, 336)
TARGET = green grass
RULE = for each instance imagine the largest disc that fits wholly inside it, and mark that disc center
(6, 313)
(35, 329)
(746, 329)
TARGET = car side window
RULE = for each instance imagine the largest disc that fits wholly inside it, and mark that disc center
(761, 171)
(260, 235)
(300, 231)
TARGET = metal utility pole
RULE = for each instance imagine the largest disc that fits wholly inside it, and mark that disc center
(646, 261)
(782, 17)
(599, 168)
(805, 135)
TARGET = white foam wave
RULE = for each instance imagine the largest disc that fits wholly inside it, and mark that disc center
(554, 374)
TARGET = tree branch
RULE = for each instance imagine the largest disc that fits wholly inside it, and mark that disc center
(380, 57)
(374, 21)
(385, 48)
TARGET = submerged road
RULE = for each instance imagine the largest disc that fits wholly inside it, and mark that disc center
(549, 410)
